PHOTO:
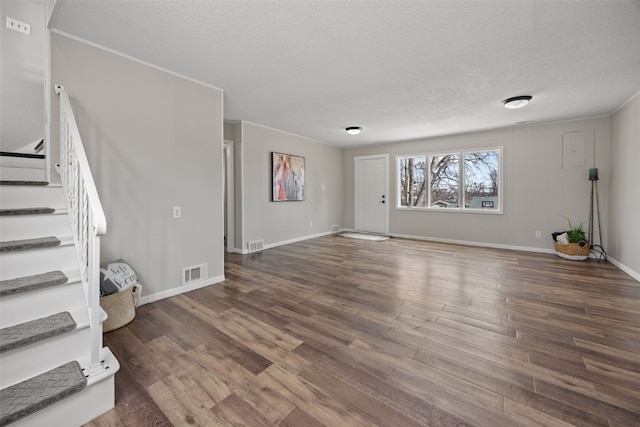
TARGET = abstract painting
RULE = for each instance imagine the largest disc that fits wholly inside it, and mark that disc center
(288, 177)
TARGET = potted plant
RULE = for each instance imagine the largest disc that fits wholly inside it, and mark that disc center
(573, 243)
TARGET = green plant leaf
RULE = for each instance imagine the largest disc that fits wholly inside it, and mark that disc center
(576, 234)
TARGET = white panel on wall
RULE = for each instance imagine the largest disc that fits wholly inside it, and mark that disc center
(577, 150)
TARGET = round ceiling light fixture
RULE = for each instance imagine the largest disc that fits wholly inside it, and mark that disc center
(353, 130)
(516, 101)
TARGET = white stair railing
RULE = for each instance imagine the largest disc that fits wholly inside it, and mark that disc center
(87, 217)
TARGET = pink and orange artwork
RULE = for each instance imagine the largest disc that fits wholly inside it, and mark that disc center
(288, 177)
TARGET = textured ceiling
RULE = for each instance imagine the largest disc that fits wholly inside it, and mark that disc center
(401, 70)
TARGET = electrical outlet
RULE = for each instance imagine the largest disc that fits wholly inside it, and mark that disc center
(177, 212)
(538, 234)
(16, 25)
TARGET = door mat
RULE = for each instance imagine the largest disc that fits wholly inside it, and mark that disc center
(361, 236)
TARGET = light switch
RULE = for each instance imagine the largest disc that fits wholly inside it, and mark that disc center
(18, 26)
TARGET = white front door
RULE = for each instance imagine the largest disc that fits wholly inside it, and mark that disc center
(371, 191)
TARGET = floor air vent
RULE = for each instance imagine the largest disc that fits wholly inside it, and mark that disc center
(195, 273)
(256, 246)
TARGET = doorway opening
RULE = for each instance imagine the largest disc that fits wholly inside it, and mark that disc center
(228, 192)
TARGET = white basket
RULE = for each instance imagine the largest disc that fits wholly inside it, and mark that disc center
(120, 307)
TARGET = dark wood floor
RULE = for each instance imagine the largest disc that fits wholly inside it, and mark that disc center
(343, 332)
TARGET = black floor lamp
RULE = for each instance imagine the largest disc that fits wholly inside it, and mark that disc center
(595, 204)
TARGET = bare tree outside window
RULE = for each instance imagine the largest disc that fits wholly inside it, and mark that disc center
(481, 180)
(413, 185)
(445, 181)
(460, 180)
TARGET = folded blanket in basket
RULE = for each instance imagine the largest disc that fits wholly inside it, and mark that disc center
(116, 277)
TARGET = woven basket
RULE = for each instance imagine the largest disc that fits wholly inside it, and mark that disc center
(573, 251)
(120, 308)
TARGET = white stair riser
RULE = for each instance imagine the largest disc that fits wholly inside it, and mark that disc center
(17, 227)
(31, 360)
(27, 306)
(21, 162)
(31, 196)
(22, 174)
(80, 408)
(37, 261)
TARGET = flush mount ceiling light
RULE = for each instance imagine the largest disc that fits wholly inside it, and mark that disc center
(516, 101)
(353, 130)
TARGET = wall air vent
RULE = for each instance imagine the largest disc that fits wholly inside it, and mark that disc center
(194, 273)
(256, 246)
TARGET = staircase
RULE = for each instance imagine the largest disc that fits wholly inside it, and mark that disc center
(53, 368)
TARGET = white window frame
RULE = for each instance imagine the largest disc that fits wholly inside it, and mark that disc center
(461, 183)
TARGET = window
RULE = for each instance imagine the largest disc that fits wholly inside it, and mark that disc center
(481, 180)
(465, 180)
(444, 181)
(413, 185)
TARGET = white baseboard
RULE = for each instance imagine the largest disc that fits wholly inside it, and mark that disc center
(286, 242)
(624, 268)
(179, 290)
(479, 244)
(297, 239)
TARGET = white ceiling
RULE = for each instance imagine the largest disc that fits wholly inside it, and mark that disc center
(400, 69)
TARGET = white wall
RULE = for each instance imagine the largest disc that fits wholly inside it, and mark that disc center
(624, 209)
(280, 222)
(154, 141)
(537, 192)
(22, 59)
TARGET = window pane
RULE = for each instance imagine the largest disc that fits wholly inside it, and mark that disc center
(445, 181)
(482, 180)
(412, 181)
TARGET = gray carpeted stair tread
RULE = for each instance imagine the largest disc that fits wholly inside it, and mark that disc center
(27, 333)
(10, 182)
(32, 283)
(34, 394)
(20, 245)
(26, 211)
